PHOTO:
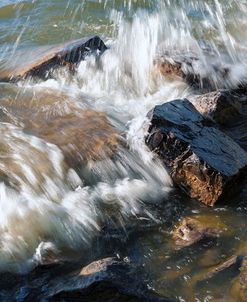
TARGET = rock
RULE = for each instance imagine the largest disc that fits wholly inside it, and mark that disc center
(228, 109)
(193, 229)
(105, 280)
(202, 160)
(43, 63)
(205, 73)
(221, 106)
(47, 253)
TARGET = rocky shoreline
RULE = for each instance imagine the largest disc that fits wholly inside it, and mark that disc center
(203, 143)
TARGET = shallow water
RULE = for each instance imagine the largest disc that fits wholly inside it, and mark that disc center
(50, 198)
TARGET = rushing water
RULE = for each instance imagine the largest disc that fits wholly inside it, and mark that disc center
(67, 205)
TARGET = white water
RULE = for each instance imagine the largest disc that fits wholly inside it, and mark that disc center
(53, 204)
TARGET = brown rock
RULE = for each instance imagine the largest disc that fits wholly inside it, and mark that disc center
(202, 160)
(169, 68)
(221, 106)
(44, 62)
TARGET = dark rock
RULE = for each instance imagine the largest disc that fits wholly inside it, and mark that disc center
(193, 229)
(202, 160)
(105, 280)
(68, 54)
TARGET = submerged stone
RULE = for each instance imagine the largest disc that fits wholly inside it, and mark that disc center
(43, 63)
(203, 161)
(239, 286)
(82, 135)
(195, 228)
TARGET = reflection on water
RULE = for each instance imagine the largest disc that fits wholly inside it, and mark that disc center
(72, 152)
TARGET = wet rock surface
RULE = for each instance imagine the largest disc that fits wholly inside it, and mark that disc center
(107, 280)
(202, 160)
(43, 64)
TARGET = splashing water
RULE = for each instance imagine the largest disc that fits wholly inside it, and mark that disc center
(44, 199)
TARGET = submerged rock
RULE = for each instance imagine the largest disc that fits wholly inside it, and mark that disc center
(239, 287)
(230, 262)
(42, 64)
(82, 135)
(193, 229)
(202, 160)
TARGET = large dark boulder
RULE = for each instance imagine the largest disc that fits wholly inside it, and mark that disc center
(202, 160)
(42, 64)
